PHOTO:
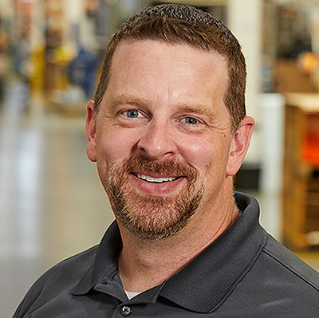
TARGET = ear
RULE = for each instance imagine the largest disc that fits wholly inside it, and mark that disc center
(240, 144)
(90, 129)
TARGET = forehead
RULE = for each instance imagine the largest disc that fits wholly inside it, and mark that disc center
(174, 71)
(156, 47)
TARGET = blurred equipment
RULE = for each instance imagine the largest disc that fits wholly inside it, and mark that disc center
(3, 62)
(301, 171)
(81, 72)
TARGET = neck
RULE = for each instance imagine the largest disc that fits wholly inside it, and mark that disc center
(146, 264)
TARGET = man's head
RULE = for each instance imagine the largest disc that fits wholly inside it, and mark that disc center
(165, 142)
(175, 23)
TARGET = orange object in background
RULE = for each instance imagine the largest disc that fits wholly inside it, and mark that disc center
(310, 149)
(310, 141)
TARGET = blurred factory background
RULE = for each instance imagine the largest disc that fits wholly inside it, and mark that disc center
(51, 202)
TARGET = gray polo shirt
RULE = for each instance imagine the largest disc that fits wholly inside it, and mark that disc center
(244, 273)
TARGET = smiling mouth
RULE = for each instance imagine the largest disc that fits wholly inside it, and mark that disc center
(155, 180)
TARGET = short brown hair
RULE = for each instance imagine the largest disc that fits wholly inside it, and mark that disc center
(176, 23)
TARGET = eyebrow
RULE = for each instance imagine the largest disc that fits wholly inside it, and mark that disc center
(125, 99)
(209, 112)
(200, 109)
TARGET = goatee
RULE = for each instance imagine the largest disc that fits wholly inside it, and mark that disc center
(150, 217)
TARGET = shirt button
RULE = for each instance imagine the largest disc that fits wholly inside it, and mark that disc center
(126, 311)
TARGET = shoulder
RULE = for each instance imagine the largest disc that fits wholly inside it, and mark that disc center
(280, 276)
(69, 270)
(59, 280)
(284, 260)
(277, 284)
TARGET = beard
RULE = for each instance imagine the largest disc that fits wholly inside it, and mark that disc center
(148, 217)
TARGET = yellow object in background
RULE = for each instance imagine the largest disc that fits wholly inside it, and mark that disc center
(37, 69)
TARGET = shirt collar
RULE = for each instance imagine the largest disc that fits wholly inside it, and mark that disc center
(105, 262)
(205, 282)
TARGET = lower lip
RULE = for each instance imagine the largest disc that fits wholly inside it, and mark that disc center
(156, 188)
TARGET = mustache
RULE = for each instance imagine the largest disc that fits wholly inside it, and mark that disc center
(170, 167)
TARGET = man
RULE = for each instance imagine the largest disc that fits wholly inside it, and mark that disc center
(168, 131)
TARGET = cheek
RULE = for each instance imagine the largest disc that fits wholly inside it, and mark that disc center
(198, 153)
(113, 146)
(208, 157)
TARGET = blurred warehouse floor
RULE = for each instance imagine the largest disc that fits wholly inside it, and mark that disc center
(51, 202)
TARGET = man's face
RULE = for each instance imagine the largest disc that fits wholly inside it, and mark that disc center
(162, 138)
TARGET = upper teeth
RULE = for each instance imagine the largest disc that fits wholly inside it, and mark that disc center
(151, 179)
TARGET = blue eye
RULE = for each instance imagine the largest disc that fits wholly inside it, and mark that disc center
(132, 113)
(190, 120)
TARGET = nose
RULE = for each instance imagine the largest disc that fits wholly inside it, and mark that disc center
(157, 141)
